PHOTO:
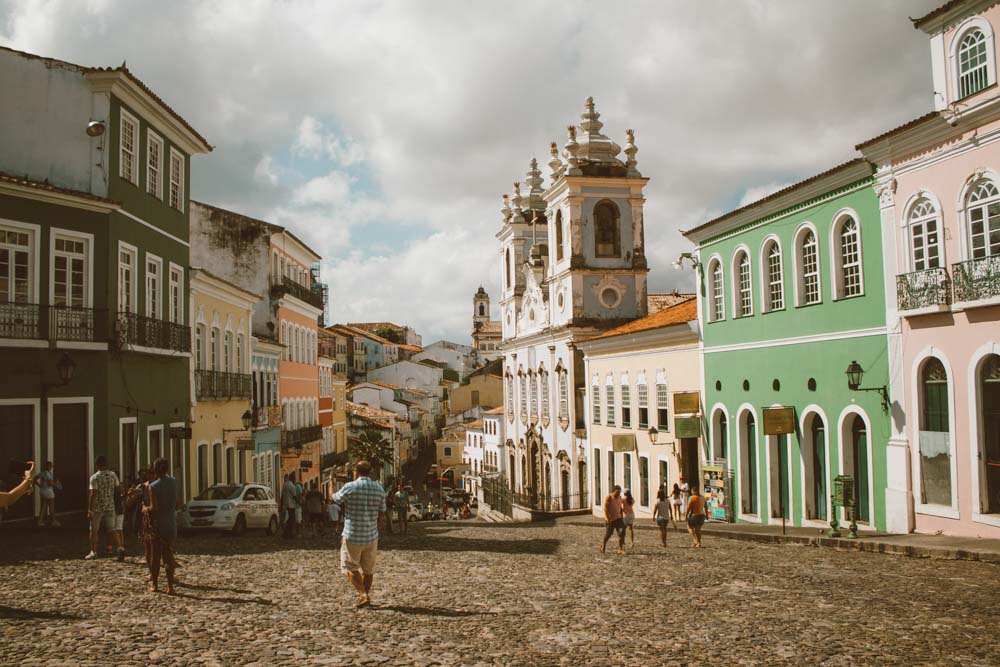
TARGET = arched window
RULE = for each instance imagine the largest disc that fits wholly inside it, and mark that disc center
(924, 247)
(559, 236)
(935, 435)
(507, 268)
(482, 310)
(748, 463)
(543, 379)
(989, 429)
(716, 292)
(808, 273)
(775, 293)
(814, 465)
(534, 396)
(524, 394)
(744, 285)
(973, 66)
(563, 395)
(607, 230)
(984, 220)
(847, 245)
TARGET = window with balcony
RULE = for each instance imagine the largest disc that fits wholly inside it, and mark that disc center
(176, 296)
(984, 220)
(240, 353)
(154, 283)
(227, 351)
(70, 258)
(15, 265)
(127, 154)
(213, 349)
(199, 346)
(126, 278)
(924, 247)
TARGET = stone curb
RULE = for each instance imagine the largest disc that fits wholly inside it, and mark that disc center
(860, 544)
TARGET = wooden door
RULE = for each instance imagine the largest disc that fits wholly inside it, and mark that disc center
(69, 455)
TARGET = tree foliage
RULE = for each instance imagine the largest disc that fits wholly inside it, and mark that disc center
(371, 445)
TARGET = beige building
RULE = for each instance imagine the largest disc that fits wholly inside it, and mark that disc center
(222, 386)
(643, 393)
(450, 456)
(484, 391)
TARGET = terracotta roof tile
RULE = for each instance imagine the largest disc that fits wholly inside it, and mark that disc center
(495, 411)
(934, 13)
(682, 312)
(897, 130)
(409, 348)
(656, 302)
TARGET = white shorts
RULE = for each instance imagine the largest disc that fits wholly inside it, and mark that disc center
(630, 519)
(357, 557)
(119, 522)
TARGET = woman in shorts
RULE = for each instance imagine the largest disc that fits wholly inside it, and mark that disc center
(675, 503)
(661, 515)
(628, 514)
(695, 516)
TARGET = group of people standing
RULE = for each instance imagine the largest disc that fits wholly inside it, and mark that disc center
(683, 502)
(297, 504)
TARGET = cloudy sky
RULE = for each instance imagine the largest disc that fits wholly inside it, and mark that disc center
(385, 133)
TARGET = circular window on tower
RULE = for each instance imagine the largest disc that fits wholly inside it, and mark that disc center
(561, 300)
(610, 297)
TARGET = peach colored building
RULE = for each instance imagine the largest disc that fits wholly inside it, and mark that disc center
(938, 181)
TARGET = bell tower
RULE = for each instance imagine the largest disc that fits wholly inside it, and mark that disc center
(480, 307)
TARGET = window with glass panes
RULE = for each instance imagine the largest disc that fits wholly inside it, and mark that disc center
(626, 406)
(775, 280)
(15, 263)
(745, 294)
(510, 395)
(563, 395)
(609, 392)
(69, 261)
(126, 280)
(176, 295)
(596, 408)
(176, 181)
(662, 408)
(810, 269)
(935, 435)
(213, 349)
(850, 258)
(227, 351)
(972, 63)
(543, 378)
(524, 394)
(199, 346)
(127, 152)
(239, 353)
(154, 165)
(643, 395)
(718, 296)
(924, 236)
(534, 395)
(153, 286)
(984, 220)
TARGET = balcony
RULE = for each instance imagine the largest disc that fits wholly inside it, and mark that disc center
(977, 281)
(59, 323)
(301, 292)
(295, 438)
(153, 333)
(331, 460)
(216, 385)
(924, 291)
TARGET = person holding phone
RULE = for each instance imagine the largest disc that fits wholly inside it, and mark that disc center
(8, 498)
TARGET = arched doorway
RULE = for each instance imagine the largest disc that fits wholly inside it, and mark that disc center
(748, 463)
(859, 466)
(989, 396)
(564, 483)
(814, 467)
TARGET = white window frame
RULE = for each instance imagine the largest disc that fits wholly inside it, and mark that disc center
(199, 345)
(798, 265)
(609, 398)
(214, 348)
(767, 281)
(33, 232)
(596, 404)
(742, 295)
(154, 294)
(156, 190)
(716, 293)
(836, 252)
(133, 175)
(240, 353)
(910, 223)
(175, 309)
(88, 264)
(973, 23)
(176, 155)
(967, 214)
(133, 289)
(228, 345)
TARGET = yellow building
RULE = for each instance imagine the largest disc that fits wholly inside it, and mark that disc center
(221, 384)
(450, 451)
(481, 390)
(643, 396)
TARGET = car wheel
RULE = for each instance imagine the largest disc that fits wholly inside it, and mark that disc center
(240, 526)
(272, 526)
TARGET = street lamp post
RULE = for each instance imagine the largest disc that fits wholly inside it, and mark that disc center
(855, 373)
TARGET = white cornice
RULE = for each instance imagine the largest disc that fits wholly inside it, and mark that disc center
(797, 340)
(57, 197)
(299, 306)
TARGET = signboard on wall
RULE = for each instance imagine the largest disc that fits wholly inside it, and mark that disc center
(713, 481)
(779, 421)
(687, 427)
(245, 444)
(274, 415)
(624, 442)
(180, 432)
(687, 402)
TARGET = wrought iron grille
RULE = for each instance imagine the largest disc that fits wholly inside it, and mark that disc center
(976, 279)
(19, 320)
(301, 292)
(295, 438)
(920, 289)
(219, 385)
(78, 324)
(150, 332)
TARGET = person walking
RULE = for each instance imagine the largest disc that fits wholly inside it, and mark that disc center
(101, 507)
(288, 506)
(390, 511)
(47, 485)
(685, 495)
(695, 516)
(364, 510)
(402, 504)
(628, 514)
(298, 503)
(333, 509)
(314, 508)
(675, 504)
(661, 514)
(162, 526)
(613, 519)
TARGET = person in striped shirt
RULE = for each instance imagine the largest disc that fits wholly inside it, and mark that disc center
(363, 501)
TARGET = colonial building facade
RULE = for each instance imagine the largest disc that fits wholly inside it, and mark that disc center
(572, 264)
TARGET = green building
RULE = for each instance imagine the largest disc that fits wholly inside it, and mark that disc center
(791, 292)
(94, 336)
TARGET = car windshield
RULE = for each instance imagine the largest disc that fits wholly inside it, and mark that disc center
(221, 492)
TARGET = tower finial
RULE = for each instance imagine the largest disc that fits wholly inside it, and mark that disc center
(555, 163)
(516, 201)
(570, 150)
(534, 180)
(630, 151)
(505, 210)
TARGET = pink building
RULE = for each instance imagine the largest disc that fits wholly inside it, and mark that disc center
(938, 180)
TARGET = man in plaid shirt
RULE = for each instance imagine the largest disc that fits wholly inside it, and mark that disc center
(364, 510)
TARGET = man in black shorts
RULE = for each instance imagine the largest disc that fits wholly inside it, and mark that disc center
(613, 519)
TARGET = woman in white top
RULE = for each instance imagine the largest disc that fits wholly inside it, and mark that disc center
(661, 514)
(685, 495)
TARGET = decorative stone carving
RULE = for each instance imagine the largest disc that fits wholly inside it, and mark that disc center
(516, 200)
(610, 291)
(569, 152)
(555, 162)
(630, 151)
(594, 146)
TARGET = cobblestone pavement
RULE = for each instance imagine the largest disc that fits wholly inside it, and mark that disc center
(481, 594)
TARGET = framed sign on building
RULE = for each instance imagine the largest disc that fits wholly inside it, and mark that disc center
(687, 427)
(779, 421)
(687, 403)
(623, 442)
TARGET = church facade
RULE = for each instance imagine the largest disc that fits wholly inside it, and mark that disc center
(572, 264)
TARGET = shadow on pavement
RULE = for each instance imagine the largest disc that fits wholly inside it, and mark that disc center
(32, 614)
(425, 611)
(455, 544)
(260, 601)
(205, 587)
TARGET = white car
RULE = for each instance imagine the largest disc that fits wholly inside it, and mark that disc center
(415, 512)
(234, 507)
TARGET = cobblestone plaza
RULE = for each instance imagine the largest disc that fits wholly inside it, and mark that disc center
(481, 594)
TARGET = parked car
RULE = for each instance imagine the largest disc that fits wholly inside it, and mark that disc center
(233, 507)
(415, 512)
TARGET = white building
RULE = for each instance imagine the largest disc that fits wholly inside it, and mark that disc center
(572, 262)
(459, 358)
(472, 457)
(411, 375)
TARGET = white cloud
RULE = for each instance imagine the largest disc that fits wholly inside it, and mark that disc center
(759, 192)
(443, 103)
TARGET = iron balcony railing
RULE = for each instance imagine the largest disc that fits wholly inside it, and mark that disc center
(976, 279)
(150, 332)
(220, 385)
(295, 438)
(29, 320)
(301, 292)
(922, 289)
(558, 503)
(333, 459)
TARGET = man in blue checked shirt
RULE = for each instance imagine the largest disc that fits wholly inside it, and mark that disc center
(364, 511)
